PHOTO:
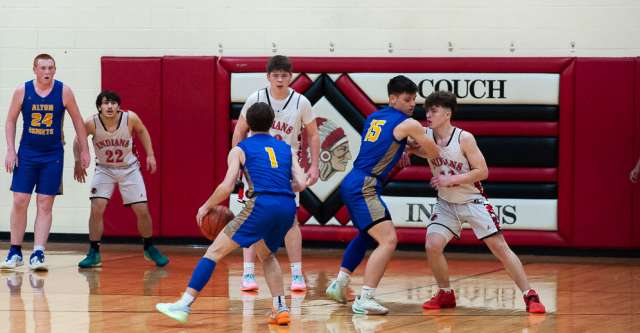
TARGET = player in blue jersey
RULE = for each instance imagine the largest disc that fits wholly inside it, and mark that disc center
(39, 161)
(384, 138)
(273, 174)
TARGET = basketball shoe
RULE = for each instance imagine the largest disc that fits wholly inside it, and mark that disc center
(174, 311)
(366, 305)
(337, 292)
(279, 316)
(441, 300)
(297, 283)
(12, 261)
(93, 259)
(532, 300)
(153, 254)
(249, 283)
(36, 261)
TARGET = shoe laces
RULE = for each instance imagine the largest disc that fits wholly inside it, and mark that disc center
(442, 294)
(532, 297)
(11, 255)
(371, 303)
(152, 251)
(297, 279)
(38, 255)
(280, 309)
(249, 277)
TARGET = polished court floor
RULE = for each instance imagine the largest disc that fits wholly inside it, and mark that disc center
(581, 295)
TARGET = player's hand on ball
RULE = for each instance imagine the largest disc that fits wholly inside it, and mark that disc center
(202, 212)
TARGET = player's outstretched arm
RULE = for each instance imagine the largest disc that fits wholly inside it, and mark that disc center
(477, 163)
(145, 138)
(11, 158)
(71, 105)
(299, 179)
(234, 160)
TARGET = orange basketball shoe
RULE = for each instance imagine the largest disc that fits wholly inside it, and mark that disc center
(279, 316)
(532, 300)
(441, 300)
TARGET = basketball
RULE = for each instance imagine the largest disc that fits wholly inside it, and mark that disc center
(215, 221)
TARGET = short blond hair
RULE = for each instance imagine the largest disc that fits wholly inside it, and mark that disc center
(43, 56)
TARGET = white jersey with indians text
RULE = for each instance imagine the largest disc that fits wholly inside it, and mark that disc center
(114, 149)
(452, 161)
(291, 114)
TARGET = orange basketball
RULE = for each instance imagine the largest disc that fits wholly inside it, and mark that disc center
(215, 221)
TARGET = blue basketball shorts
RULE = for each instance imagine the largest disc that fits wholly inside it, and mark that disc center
(361, 194)
(265, 217)
(44, 174)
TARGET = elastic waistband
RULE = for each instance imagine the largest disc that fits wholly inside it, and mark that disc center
(479, 201)
(117, 167)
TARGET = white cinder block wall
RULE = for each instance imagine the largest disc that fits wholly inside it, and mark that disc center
(78, 32)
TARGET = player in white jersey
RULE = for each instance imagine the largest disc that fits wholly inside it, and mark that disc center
(293, 112)
(117, 163)
(457, 173)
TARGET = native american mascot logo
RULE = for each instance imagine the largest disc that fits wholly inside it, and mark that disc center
(334, 149)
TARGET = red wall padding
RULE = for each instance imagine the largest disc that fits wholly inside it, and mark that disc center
(603, 154)
(185, 103)
(138, 81)
(190, 154)
(635, 153)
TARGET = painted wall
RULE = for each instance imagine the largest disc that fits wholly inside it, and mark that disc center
(78, 33)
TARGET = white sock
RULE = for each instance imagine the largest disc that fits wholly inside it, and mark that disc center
(296, 268)
(446, 290)
(38, 247)
(279, 302)
(186, 300)
(249, 268)
(367, 292)
(343, 278)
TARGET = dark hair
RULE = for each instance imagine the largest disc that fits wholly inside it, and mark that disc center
(441, 98)
(109, 95)
(279, 63)
(43, 56)
(401, 84)
(260, 117)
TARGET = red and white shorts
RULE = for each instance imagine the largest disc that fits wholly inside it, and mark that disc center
(129, 180)
(447, 219)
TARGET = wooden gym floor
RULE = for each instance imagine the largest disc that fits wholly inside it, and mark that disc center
(581, 295)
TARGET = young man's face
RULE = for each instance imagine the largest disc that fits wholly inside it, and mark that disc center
(44, 69)
(404, 102)
(109, 109)
(438, 115)
(279, 79)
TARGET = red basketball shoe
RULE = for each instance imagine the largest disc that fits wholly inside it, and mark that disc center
(441, 300)
(532, 300)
